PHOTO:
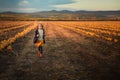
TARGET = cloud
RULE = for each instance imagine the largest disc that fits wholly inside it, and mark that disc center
(90, 5)
(23, 3)
(74, 6)
(26, 9)
(40, 5)
(19, 9)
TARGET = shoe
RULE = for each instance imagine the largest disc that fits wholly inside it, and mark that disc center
(39, 54)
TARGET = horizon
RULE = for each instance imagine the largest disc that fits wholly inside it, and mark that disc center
(60, 10)
(29, 6)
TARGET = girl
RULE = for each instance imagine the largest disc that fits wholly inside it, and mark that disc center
(40, 35)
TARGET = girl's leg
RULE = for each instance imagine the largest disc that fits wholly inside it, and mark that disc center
(40, 51)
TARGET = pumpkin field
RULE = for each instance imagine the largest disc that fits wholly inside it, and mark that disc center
(74, 50)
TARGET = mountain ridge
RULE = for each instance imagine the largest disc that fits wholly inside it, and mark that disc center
(62, 11)
(62, 15)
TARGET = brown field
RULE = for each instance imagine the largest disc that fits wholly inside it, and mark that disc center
(73, 51)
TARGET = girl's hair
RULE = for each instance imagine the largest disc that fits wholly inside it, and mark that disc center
(40, 25)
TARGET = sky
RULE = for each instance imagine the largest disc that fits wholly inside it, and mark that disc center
(45, 5)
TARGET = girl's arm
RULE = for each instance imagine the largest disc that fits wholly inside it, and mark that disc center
(36, 33)
(43, 35)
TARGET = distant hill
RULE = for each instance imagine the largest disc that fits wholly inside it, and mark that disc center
(62, 15)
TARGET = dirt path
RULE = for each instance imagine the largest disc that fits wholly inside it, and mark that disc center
(67, 56)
